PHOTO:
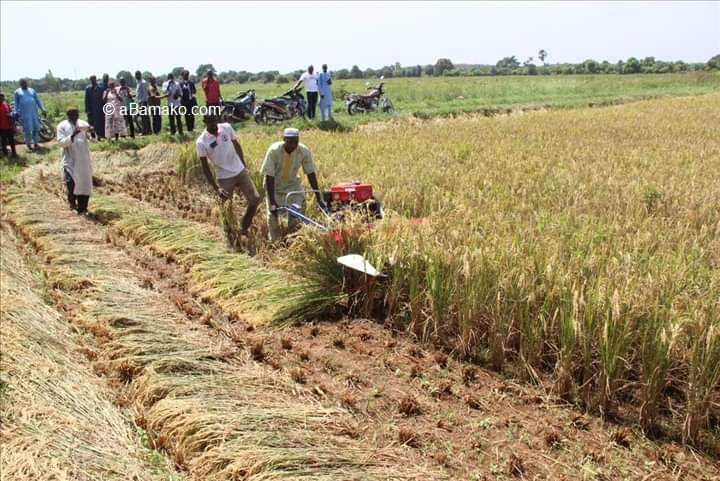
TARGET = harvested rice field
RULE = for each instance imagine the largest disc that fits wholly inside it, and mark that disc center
(551, 309)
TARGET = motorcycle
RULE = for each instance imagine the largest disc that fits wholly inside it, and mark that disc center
(284, 107)
(357, 103)
(240, 108)
(47, 133)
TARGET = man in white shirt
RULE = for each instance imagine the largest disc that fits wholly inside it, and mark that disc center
(219, 143)
(141, 95)
(312, 89)
(174, 95)
(73, 137)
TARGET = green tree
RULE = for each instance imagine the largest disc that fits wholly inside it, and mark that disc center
(632, 66)
(713, 63)
(202, 68)
(177, 72)
(355, 72)
(542, 55)
(52, 82)
(442, 65)
(590, 66)
(129, 79)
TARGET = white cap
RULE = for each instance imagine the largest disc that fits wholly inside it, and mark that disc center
(291, 132)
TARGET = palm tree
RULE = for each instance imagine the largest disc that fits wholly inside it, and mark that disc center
(542, 54)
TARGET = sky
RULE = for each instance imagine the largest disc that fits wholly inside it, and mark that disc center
(77, 39)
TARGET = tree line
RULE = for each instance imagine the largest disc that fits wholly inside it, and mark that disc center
(442, 67)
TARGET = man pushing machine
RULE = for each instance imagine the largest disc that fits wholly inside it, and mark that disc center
(280, 168)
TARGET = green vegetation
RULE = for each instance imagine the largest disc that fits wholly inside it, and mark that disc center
(431, 96)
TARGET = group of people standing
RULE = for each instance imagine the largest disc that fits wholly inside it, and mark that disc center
(217, 145)
(108, 104)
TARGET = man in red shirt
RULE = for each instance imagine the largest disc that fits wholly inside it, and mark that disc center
(211, 86)
(7, 129)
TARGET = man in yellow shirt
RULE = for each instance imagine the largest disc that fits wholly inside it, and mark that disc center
(280, 168)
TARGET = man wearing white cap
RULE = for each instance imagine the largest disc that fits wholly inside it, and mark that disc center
(73, 136)
(280, 168)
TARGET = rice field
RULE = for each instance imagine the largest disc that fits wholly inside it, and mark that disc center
(576, 251)
(583, 244)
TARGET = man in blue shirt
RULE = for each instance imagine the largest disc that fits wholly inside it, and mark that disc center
(27, 104)
(324, 84)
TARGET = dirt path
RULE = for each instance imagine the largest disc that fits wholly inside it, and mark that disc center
(388, 403)
(215, 411)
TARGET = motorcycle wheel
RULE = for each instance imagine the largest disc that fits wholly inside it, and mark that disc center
(388, 106)
(353, 108)
(261, 116)
(46, 133)
(226, 115)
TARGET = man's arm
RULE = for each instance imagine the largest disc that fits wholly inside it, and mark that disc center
(211, 179)
(297, 84)
(270, 190)
(312, 178)
(87, 101)
(239, 151)
(38, 102)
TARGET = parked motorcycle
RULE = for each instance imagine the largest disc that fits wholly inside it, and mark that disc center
(240, 108)
(357, 103)
(284, 107)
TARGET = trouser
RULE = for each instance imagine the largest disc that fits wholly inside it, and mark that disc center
(245, 185)
(7, 136)
(326, 111)
(273, 219)
(189, 116)
(30, 132)
(77, 202)
(156, 119)
(175, 122)
(145, 119)
(312, 98)
(131, 124)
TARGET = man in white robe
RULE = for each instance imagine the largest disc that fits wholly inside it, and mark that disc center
(73, 136)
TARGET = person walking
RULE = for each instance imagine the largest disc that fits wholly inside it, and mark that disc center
(211, 87)
(127, 100)
(94, 107)
(27, 104)
(219, 143)
(142, 97)
(325, 89)
(174, 96)
(154, 97)
(188, 99)
(311, 88)
(72, 136)
(282, 162)
(114, 120)
(7, 128)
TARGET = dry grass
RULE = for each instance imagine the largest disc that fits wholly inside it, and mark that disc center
(58, 420)
(218, 417)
